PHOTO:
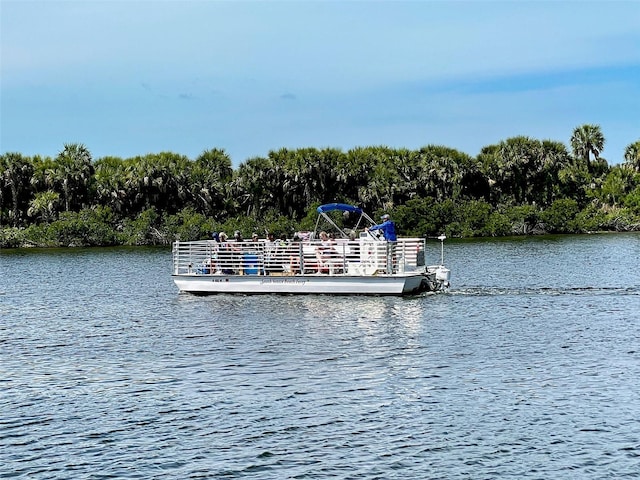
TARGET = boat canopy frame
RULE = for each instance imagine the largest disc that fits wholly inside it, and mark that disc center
(323, 211)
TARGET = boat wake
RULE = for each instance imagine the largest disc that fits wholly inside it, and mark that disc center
(574, 291)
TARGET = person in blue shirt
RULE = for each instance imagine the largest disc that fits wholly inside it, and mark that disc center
(388, 228)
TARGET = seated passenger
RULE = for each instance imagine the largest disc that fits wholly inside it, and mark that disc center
(325, 252)
(225, 255)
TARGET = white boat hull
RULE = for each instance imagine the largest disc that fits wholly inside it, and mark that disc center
(362, 266)
(397, 284)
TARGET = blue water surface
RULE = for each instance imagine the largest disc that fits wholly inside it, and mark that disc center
(527, 369)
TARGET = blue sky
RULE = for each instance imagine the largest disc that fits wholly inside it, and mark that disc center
(128, 78)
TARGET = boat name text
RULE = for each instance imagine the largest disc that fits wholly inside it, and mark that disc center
(283, 281)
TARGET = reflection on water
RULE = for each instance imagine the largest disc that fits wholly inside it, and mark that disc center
(527, 368)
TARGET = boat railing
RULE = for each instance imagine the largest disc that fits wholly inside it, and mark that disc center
(362, 256)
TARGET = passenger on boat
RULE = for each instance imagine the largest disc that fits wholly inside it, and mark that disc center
(226, 255)
(325, 252)
(388, 229)
(270, 255)
(208, 266)
(281, 253)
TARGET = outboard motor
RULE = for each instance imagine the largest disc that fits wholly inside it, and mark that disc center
(443, 275)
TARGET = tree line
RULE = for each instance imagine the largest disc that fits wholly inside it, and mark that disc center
(520, 186)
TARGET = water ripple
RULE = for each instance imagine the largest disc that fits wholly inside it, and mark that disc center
(588, 291)
(117, 376)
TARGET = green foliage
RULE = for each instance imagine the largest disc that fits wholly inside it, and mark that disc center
(614, 219)
(73, 174)
(587, 140)
(308, 223)
(524, 219)
(617, 183)
(208, 180)
(520, 186)
(632, 156)
(44, 206)
(475, 215)
(632, 201)
(12, 237)
(419, 217)
(472, 218)
(16, 172)
(87, 228)
(272, 222)
(279, 225)
(187, 225)
(575, 182)
(144, 229)
(560, 217)
(499, 225)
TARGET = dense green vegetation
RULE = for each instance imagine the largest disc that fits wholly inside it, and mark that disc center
(520, 186)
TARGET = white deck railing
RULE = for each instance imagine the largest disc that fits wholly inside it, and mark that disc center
(363, 256)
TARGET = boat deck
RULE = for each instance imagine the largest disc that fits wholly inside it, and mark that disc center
(364, 256)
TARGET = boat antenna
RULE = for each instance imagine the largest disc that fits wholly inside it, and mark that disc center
(442, 238)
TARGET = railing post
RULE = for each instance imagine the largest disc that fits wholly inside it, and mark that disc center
(301, 257)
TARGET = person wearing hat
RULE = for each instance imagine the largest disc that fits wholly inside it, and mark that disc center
(225, 255)
(388, 228)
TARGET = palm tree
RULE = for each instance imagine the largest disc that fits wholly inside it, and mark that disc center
(72, 174)
(209, 178)
(16, 172)
(515, 170)
(353, 171)
(380, 185)
(158, 181)
(617, 184)
(110, 180)
(251, 187)
(310, 175)
(587, 140)
(44, 205)
(632, 156)
(406, 165)
(554, 158)
(440, 173)
(523, 158)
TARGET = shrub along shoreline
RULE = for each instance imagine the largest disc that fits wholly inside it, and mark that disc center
(98, 226)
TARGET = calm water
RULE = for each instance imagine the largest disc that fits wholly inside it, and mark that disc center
(528, 369)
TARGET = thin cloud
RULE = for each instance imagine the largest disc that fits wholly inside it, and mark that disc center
(366, 72)
(530, 81)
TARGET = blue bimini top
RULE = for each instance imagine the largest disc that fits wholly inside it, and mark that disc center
(338, 206)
